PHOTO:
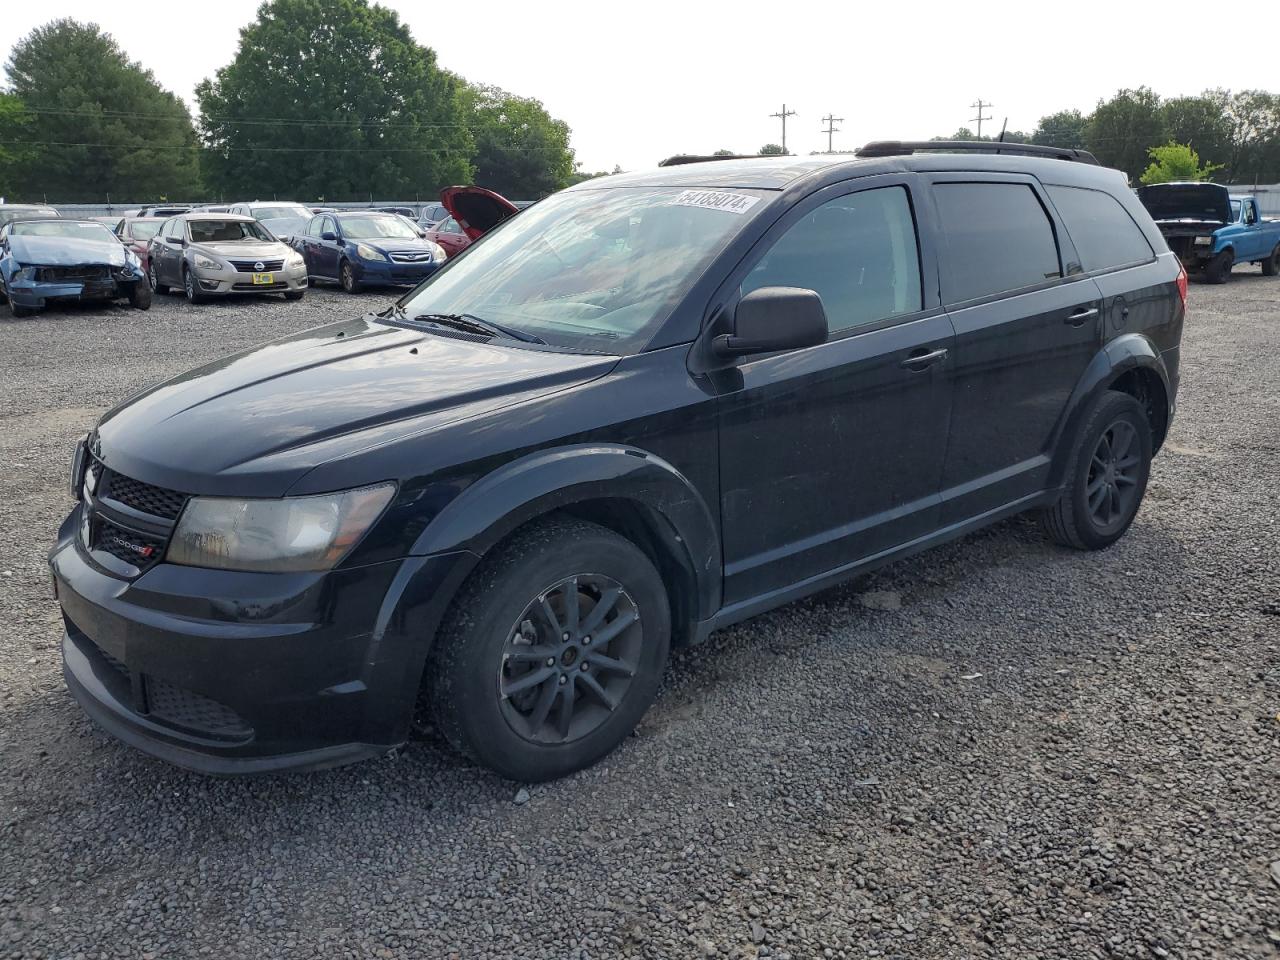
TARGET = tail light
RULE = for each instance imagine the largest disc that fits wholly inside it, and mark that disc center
(1182, 284)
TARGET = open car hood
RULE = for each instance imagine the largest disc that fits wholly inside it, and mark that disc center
(476, 209)
(66, 251)
(1200, 202)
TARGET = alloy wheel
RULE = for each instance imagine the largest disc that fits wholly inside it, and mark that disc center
(569, 659)
(1111, 490)
(152, 280)
(189, 284)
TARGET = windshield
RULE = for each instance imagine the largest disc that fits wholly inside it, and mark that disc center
(24, 213)
(597, 270)
(79, 229)
(376, 227)
(281, 213)
(226, 231)
(1235, 210)
(144, 229)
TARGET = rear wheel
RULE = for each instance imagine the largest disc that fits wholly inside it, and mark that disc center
(347, 277)
(552, 651)
(1271, 265)
(154, 280)
(1107, 475)
(1218, 270)
(140, 296)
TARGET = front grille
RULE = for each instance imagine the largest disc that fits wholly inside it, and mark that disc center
(73, 274)
(251, 266)
(278, 285)
(424, 257)
(184, 708)
(144, 497)
(133, 548)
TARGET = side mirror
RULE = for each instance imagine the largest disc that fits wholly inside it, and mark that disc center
(774, 318)
(181, 240)
(328, 235)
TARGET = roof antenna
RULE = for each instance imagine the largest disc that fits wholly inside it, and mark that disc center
(1003, 127)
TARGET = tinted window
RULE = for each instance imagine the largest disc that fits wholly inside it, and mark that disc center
(997, 236)
(1102, 230)
(858, 252)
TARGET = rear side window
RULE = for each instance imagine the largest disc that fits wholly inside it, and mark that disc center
(857, 251)
(998, 238)
(1102, 230)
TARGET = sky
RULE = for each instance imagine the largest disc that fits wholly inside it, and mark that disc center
(640, 82)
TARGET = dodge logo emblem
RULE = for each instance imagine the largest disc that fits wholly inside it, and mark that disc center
(258, 266)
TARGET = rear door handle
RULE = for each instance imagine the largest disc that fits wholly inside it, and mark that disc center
(1081, 314)
(922, 358)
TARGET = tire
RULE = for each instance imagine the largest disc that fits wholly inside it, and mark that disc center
(294, 294)
(190, 287)
(491, 636)
(1218, 270)
(1107, 475)
(140, 296)
(156, 286)
(1271, 265)
(18, 310)
(347, 278)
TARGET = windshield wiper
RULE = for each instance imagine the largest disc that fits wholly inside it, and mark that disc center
(473, 324)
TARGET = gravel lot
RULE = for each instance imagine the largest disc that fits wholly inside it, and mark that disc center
(1001, 748)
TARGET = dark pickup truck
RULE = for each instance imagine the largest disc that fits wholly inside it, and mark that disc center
(1210, 230)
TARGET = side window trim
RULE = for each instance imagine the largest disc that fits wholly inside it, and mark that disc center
(726, 295)
(1067, 255)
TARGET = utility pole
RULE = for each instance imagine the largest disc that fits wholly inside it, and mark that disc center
(980, 104)
(783, 116)
(831, 122)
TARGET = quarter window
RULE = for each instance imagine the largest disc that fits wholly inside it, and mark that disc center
(1102, 230)
(858, 252)
(998, 238)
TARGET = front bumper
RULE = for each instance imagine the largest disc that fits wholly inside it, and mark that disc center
(226, 672)
(35, 293)
(227, 280)
(373, 273)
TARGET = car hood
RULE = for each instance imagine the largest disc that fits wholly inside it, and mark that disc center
(66, 251)
(476, 209)
(243, 249)
(1200, 202)
(255, 423)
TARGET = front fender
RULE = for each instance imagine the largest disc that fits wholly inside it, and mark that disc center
(494, 506)
(1128, 352)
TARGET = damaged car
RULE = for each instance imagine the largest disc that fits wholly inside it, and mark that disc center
(56, 259)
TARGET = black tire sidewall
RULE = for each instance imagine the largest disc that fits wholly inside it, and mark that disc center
(471, 646)
(1111, 407)
(345, 272)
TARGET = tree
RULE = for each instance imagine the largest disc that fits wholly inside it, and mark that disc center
(520, 150)
(1066, 128)
(725, 153)
(1253, 124)
(14, 129)
(1124, 128)
(1174, 162)
(96, 122)
(333, 98)
(1200, 123)
(772, 150)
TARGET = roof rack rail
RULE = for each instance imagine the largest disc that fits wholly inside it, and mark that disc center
(682, 158)
(899, 148)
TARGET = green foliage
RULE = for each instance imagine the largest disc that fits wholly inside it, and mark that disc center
(1066, 129)
(964, 133)
(333, 97)
(1176, 162)
(725, 153)
(1252, 120)
(1124, 128)
(1200, 123)
(772, 150)
(15, 124)
(96, 122)
(520, 150)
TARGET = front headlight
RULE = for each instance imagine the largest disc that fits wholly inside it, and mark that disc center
(295, 260)
(437, 251)
(365, 252)
(205, 263)
(285, 535)
(25, 273)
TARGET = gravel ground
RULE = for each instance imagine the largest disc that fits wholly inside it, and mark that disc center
(1000, 748)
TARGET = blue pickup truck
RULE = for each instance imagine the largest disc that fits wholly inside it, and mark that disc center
(1210, 230)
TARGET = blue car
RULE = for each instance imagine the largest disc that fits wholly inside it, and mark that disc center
(57, 259)
(366, 248)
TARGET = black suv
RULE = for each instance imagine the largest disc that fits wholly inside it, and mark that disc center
(645, 408)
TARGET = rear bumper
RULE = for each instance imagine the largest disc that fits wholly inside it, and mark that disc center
(224, 672)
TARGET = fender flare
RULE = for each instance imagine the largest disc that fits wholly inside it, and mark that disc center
(523, 489)
(1131, 351)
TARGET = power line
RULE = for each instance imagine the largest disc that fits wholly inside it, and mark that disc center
(980, 104)
(783, 115)
(831, 122)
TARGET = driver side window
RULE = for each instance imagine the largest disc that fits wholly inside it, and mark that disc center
(859, 253)
(1250, 212)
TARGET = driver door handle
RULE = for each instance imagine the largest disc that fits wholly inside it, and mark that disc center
(1078, 316)
(920, 359)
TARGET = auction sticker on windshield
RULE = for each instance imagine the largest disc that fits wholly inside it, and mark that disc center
(715, 200)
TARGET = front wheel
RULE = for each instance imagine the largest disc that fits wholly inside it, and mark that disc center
(1271, 265)
(140, 296)
(552, 651)
(1107, 475)
(347, 277)
(1218, 270)
(191, 287)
